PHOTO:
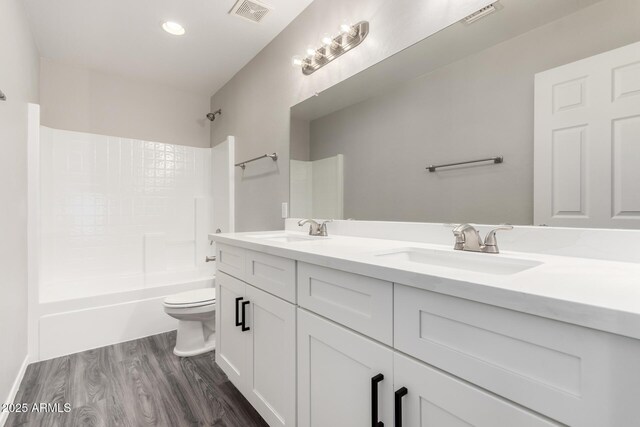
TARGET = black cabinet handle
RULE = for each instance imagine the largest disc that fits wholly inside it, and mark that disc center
(238, 323)
(400, 393)
(244, 316)
(374, 400)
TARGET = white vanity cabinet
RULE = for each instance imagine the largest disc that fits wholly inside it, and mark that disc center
(256, 345)
(344, 379)
(310, 345)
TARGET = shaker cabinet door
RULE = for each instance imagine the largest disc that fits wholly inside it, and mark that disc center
(344, 379)
(271, 372)
(231, 343)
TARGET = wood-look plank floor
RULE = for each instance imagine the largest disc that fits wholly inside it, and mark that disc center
(136, 383)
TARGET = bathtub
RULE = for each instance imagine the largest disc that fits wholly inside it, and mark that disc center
(71, 325)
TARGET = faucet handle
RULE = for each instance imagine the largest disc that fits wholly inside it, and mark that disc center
(322, 231)
(314, 227)
(490, 239)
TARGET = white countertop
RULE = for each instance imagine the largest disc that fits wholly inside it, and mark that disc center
(599, 294)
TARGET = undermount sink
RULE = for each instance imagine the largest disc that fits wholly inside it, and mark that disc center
(470, 261)
(282, 237)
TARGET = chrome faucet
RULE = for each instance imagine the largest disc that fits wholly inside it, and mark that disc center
(315, 228)
(468, 239)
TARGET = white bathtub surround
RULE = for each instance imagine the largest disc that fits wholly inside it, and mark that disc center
(537, 324)
(118, 214)
(317, 187)
(120, 224)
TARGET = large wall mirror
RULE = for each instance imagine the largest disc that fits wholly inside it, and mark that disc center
(552, 87)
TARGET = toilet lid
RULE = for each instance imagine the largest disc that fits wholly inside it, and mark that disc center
(205, 295)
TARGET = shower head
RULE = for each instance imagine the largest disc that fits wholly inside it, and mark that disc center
(212, 116)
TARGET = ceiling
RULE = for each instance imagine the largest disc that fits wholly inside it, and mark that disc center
(125, 37)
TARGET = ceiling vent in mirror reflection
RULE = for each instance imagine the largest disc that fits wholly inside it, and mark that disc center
(250, 10)
(485, 11)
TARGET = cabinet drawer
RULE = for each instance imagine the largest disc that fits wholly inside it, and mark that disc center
(358, 302)
(437, 399)
(272, 274)
(230, 260)
(554, 368)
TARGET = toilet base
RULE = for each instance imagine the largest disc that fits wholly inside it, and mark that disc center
(206, 349)
(194, 338)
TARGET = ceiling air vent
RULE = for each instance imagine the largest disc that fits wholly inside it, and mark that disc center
(250, 10)
(487, 10)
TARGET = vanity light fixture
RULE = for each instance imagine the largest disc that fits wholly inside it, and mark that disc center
(479, 14)
(173, 28)
(332, 47)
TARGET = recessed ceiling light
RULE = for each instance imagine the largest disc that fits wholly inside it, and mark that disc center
(173, 28)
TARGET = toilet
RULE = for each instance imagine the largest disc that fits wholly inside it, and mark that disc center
(195, 311)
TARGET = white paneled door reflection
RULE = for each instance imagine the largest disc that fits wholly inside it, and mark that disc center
(587, 142)
(119, 213)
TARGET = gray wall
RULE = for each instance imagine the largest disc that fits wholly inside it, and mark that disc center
(19, 81)
(478, 107)
(256, 101)
(80, 99)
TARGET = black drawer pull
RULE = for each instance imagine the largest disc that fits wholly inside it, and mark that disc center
(238, 323)
(244, 316)
(374, 400)
(400, 393)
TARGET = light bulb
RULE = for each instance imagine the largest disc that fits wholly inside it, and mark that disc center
(311, 51)
(345, 28)
(296, 61)
(173, 28)
(327, 40)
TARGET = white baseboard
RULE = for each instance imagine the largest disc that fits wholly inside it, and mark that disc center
(14, 389)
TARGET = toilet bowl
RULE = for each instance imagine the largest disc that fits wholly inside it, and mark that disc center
(195, 311)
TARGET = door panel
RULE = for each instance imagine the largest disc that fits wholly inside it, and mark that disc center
(586, 150)
(231, 341)
(335, 371)
(271, 352)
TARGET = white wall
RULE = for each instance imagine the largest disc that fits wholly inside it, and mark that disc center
(19, 81)
(84, 100)
(257, 100)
